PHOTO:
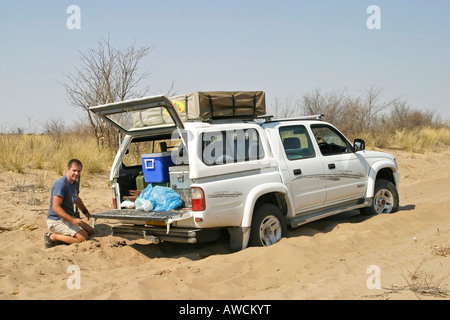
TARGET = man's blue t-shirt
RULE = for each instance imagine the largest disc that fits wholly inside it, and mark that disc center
(63, 188)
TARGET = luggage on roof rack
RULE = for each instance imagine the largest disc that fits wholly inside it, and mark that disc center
(215, 105)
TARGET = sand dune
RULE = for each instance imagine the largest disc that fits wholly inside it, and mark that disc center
(327, 259)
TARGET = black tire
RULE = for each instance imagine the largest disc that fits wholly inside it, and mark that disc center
(385, 199)
(268, 226)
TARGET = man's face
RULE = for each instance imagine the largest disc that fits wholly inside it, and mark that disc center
(74, 172)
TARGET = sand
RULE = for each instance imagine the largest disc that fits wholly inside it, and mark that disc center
(404, 255)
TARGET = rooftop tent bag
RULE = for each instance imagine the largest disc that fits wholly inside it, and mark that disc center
(220, 104)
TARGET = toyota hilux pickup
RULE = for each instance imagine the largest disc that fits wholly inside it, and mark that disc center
(244, 172)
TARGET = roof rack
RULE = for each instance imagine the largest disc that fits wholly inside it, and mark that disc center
(219, 120)
(265, 118)
(311, 117)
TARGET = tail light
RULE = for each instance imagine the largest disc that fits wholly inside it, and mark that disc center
(114, 197)
(198, 199)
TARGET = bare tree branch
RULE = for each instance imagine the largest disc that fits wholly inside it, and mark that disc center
(105, 75)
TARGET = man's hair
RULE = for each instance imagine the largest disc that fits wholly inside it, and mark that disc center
(76, 161)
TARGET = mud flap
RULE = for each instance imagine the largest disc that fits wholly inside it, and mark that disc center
(239, 237)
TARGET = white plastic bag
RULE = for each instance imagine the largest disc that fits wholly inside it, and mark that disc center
(143, 204)
(127, 204)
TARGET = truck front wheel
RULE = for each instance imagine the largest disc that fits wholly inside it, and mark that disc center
(268, 226)
(385, 199)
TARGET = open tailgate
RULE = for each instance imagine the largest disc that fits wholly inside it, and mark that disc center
(144, 217)
(153, 226)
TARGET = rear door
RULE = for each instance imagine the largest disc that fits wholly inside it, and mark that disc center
(144, 116)
(305, 168)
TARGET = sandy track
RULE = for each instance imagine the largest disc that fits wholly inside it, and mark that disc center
(327, 259)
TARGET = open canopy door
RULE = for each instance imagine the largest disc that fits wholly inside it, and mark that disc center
(143, 116)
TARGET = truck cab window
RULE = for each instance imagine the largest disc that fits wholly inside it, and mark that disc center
(296, 142)
(330, 141)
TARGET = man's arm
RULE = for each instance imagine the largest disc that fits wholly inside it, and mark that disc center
(57, 202)
(82, 207)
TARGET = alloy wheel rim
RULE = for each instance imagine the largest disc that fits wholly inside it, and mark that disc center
(384, 201)
(270, 230)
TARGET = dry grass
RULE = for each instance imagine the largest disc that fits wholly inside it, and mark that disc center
(423, 139)
(417, 140)
(422, 282)
(24, 152)
(443, 251)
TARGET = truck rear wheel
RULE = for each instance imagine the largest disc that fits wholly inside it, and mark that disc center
(385, 199)
(268, 226)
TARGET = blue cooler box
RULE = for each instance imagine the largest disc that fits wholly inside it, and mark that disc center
(155, 167)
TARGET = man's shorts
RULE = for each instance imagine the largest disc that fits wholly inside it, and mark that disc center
(63, 227)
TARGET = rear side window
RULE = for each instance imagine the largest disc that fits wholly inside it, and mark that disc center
(231, 146)
(296, 142)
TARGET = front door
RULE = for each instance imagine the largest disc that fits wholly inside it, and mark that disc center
(345, 173)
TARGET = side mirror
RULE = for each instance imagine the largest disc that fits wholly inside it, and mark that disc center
(359, 145)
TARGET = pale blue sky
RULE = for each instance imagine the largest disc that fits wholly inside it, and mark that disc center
(286, 48)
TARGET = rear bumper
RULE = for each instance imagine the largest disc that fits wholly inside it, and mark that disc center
(159, 234)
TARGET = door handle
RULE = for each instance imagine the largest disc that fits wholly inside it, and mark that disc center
(331, 166)
(297, 172)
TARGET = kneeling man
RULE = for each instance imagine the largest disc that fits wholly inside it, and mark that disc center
(61, 219)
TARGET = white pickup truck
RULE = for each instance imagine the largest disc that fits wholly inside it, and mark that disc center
(253, 176)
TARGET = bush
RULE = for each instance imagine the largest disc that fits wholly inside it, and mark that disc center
(390, 123)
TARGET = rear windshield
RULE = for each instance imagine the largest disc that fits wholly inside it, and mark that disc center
(131, 120)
